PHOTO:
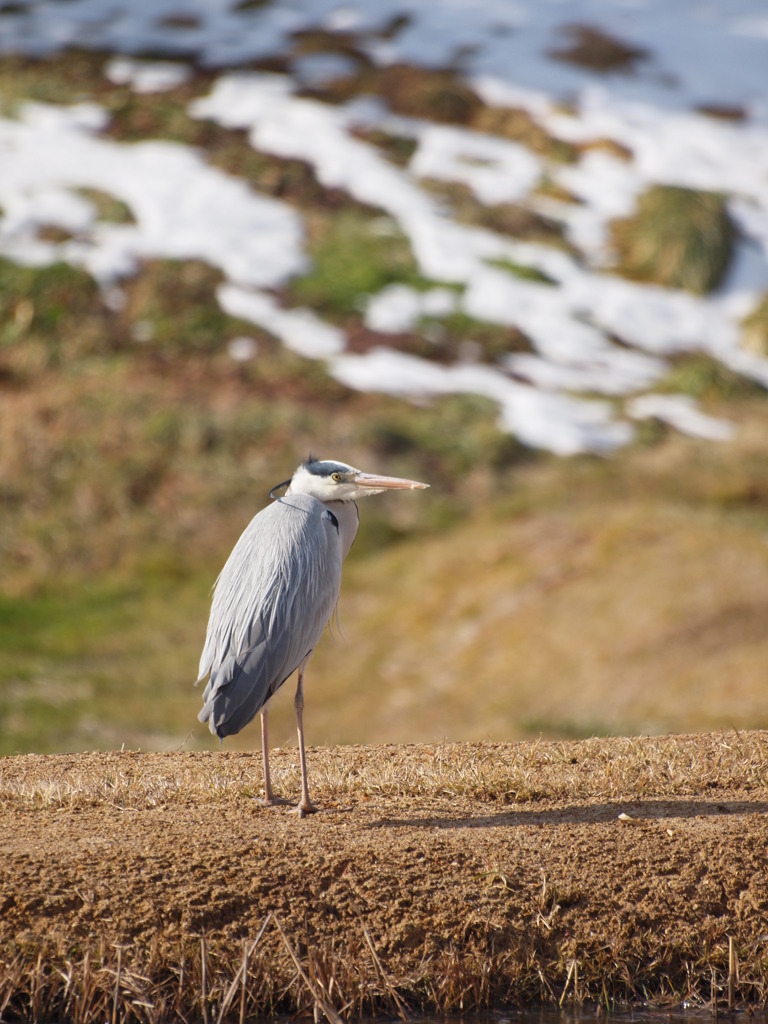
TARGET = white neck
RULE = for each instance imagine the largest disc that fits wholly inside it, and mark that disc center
(337, 497)
(349, 519)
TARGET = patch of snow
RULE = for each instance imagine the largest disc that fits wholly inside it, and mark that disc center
(538, 418)
(393, 310)
(313, 70)
(617, 372)
(550, 318)
(398, 308)
(49, 205)
(680, 412)
(299, 329)
(501, 92)
(182, 208)
(748, 364)
(147, 76)
(142, 331)
(497, 171)
(242, 349)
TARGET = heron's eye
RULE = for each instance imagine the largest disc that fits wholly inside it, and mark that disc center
(336, 477)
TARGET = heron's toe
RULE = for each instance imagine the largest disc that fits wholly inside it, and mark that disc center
(306, 808)
(274, 801)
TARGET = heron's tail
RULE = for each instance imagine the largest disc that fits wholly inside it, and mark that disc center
(206, 715)
(206, 712)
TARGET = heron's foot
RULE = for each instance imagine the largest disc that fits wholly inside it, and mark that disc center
(305, 808)
(275, 801)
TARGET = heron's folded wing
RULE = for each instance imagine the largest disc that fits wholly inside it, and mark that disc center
(270, 606)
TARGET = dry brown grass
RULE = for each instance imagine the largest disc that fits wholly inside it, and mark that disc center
(544, 770)
(195, 981)
(387, 909)
(254, 982)
(591, 47)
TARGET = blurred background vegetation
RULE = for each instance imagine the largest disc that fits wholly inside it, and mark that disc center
(522, 595)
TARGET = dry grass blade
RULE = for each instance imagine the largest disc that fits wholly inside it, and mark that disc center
(36, 989)
(10, 981)
(244, 984)
(403, 1010)
(733, 973)
(117, 984)
(572, 968)
(240, 976)
(318, 997)
(203, 979)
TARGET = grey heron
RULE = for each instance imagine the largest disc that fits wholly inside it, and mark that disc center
(275, 596)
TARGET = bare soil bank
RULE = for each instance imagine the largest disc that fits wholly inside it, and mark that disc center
(434, 878)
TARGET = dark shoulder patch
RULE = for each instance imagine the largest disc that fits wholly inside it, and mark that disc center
(332, 518)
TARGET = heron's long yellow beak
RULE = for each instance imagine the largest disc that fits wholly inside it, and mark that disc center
(390, 483)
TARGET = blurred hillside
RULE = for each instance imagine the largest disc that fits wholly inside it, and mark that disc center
(146, 409)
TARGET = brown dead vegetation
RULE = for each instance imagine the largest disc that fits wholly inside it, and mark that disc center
(591, 47)
(444, 878)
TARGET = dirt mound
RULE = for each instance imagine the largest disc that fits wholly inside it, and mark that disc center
(443, 878)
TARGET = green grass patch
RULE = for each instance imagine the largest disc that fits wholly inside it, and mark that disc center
(49, 317)
(41, 299)
(354, 254)
(754, 329)
(702, 377)
(566, 728)
(397, 148)
(677, 237)
(135, 117)
(172, 307)
(80, 670)
(73, 77)
(522, 270)
(108, 208)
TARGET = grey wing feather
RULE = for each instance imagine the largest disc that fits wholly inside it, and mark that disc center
(270, 606)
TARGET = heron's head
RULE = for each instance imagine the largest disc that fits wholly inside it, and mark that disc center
(328, 480)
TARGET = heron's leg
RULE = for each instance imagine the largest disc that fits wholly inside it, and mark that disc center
(269, 796)
(305, 806)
